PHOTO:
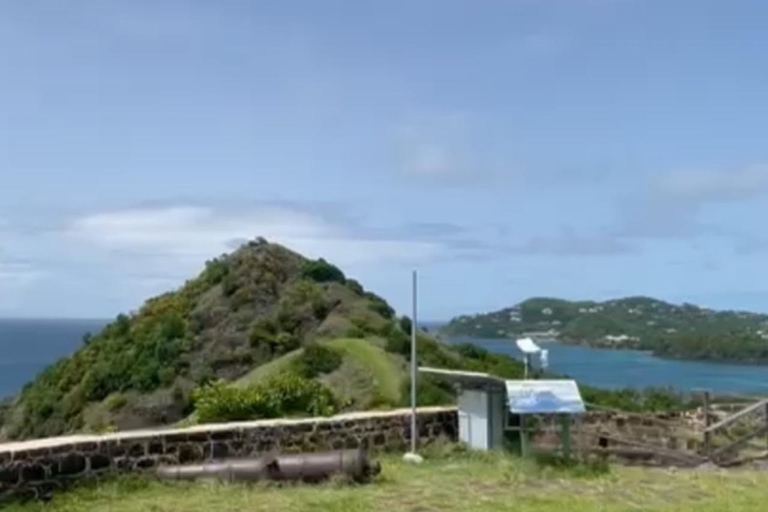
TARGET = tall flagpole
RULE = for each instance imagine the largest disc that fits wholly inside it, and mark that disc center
(414, 430)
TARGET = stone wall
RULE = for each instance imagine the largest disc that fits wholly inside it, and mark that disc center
(38, 468)
(649, 439)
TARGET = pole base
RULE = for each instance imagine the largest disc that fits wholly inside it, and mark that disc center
(413, 458)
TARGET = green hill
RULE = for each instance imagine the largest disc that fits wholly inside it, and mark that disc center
(260, 323)
(684, 331)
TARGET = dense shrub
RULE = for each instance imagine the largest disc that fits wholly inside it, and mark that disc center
(430, 390)
(405, 324)
(318, 359)
(355, 332)
(263, 332)
(322, 272)
(647, 400)
(397, 342)
(472, 351)
(215, 271)
(284, 395)
(355, 286)
(380, 306)
(229, 285)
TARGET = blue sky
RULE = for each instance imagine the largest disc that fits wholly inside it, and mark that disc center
(505, 148)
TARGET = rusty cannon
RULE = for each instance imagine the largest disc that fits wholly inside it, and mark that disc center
(305, 467)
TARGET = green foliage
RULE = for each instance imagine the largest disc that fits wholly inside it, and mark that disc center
(631, 400)
(286, 342)
(380, 306)
(317, 359)
(284, 395)
(355, 332)
(116, 402)
(215, 271)
(264, 333)
(398, 342)
(229, 285)
(322, 272)
(355, 286)
(430, 390)
(406, 324)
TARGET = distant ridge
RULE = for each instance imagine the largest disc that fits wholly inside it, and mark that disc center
(681, 331)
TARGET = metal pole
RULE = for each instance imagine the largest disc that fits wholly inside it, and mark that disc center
(414, 320)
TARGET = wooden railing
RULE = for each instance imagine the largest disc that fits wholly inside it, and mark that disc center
(717, 455)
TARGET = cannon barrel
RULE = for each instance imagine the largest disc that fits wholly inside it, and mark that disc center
(307, 467)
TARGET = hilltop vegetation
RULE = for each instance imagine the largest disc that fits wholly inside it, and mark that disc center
(260, 332)
(684, 331)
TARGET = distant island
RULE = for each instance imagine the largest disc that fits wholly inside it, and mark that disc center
(681, 331)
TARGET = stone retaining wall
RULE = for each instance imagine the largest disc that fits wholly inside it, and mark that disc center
(37, 468)
(648, 439)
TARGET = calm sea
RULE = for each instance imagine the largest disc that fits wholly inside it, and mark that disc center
(613, 369)
(28, 346)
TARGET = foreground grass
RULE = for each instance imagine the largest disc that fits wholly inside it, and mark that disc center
(466, 483)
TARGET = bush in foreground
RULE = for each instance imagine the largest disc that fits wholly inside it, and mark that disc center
(284, 395)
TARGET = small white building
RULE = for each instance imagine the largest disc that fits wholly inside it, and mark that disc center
(482, 407)
(485, 403)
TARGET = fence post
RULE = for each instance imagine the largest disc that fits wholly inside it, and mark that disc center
(566, 435)
(707, 422)
(766, 422)
(524, 446)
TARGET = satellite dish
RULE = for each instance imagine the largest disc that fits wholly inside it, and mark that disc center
(527, 346)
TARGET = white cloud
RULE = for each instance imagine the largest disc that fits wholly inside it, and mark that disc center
(187, 235)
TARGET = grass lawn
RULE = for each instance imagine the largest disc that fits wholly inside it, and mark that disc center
(459, 482)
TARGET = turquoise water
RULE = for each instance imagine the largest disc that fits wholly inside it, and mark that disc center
(613, 369)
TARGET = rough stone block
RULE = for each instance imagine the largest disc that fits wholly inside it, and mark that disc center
(219, 450)
(9, 473)
(33, 473)
(175, 438)
(137, 450)
(123, 464)
(190, 453)
(21, 455)
(116, 448)
(146, 463)
(224, 435)
(86, 447)
(72, 464)
(155, 447)
(99, 462)
(199, 437)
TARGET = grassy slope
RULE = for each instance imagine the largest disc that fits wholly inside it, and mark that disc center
(470, 483)
(379, 376)
(367, 374)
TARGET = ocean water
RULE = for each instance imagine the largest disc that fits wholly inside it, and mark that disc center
(28, 346)
(612, 369)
